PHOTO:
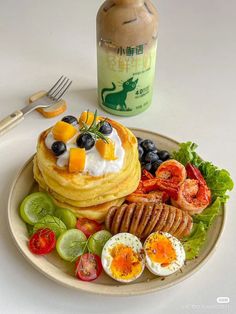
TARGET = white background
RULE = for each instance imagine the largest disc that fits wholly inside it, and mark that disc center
(194, 100)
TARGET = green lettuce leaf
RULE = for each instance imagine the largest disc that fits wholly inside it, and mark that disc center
(209, 214)
(192, 244)
(186, 153)
(218, 180)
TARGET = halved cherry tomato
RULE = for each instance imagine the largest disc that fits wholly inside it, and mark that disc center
(88, 267)
(87, 226)
(42, 242)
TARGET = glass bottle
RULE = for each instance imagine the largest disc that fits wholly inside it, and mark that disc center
(126, 55)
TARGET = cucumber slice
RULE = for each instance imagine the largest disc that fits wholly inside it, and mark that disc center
(51, 222)
(66, 216)
(35, 206)
(97, 241)
(71, 244)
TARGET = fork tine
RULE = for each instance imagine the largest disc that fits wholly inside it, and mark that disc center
(63, 91)
(58, 88)
(48, 93)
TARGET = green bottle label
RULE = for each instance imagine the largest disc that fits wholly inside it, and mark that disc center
(125, 79)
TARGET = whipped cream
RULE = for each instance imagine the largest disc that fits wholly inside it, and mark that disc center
(95, 165)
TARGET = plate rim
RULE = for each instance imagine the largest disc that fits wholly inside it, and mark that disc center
(112, 289)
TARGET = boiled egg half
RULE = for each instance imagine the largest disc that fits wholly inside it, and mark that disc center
(123, 258)
(164, 253)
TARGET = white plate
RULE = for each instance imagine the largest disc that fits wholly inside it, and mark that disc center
(62, 272)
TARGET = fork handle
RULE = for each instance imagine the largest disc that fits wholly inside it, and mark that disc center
(10, 121)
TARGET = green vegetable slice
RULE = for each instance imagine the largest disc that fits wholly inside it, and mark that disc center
(71, 244)
(51, 222)
(97, 241)
(66, 216)
(35, 206)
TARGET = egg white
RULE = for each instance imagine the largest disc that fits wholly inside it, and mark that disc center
(125, 239)
(159, 270)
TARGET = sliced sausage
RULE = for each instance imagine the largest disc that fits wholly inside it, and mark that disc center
(157, 209)
(115, 228)
(127, 218)
(182, 225)
(170, 219)
(147, 212)
(136, 218)
(110, 216)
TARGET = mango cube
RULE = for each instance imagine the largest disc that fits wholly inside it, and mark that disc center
(106, 150)
(63, 131)
(87, 117)
(77, 159)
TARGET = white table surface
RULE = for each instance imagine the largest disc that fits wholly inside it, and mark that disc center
(194, 100)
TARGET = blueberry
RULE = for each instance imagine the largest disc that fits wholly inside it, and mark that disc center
(156, 165)
(58, 148)
(164, 155)
(148, 145)
(105, 128)
(140, 140)
(147, 166)
(140, 152)
(155, 152)
(85, 140)
(70, 119)
(151, 157)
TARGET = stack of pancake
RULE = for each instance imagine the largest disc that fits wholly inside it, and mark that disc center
(88, 196)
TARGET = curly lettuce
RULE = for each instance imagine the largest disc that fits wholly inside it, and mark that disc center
(218, 181)
(193, 243)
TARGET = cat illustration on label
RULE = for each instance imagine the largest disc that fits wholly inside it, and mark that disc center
(117, 99)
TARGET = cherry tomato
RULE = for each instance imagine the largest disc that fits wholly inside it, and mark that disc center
(88, 267)
(87, 226)
(42, 242)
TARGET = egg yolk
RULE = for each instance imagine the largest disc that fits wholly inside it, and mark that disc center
(126, 264)
(160, 250)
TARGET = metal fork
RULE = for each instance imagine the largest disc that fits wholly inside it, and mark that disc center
(51, 97)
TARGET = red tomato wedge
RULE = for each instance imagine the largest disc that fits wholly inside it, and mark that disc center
(87, 226)
(88, 267)
(42, 242)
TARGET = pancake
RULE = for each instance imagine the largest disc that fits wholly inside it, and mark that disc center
(95, 212)
(86, 195)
